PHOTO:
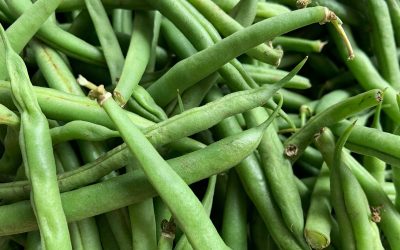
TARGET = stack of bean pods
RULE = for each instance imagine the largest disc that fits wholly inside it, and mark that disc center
(199, 124)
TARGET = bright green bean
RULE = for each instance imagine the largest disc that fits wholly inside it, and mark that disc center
(193, 69)
(299, 44)
(35, 142)
(318, 221)
(81, 130)
(138, 55)
(234, 221)
(168, 235)
(383, 41)
(394, 9)
(295, 145)
(122, 21)
(378, 200)
(70, 5)
(373, 146)
(244, 12)
(227, 26)
(108, 40)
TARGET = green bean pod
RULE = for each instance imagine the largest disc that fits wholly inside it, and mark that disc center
(234, 221)
(373, 146)
(81, 130)
(318, 221)
(11, 158)
(122, 21)
(168, 235)
(295, 145)
(35, 143)
(227, 26)
(244, 12)
(394, 9)
(203, 63)
(383, 41)
(385, 212)
(299, 44)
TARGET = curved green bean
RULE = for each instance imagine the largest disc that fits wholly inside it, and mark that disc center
(244, 12)
(35, 142)
(295, 145)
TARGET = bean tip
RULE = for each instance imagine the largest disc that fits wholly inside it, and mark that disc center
(291, 150)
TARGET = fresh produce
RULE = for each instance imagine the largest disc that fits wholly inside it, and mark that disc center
(199, 124)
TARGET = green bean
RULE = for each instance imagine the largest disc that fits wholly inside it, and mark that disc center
(81, 130)
(107, 237)
(50, 33)
(373, 146)
(383, 41)
(108, 40)
(355, 201)
(54, 68)
(207, 202)
(259, 192)
(122, 21)
(227, 26)
(367, 76)
(394, 9)
(18, 33)
(259, 235)
(234, 221)
(295, 145)
(203, 63)
(138, 55)
(264, 75)
(143, 98)
(168, 235)
(331, 99)
(35, 143)
(384, 209)
(279, 174)
(299, 44)
(318, 220)
(244, 12)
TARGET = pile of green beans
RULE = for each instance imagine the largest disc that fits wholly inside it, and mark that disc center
(199, 124)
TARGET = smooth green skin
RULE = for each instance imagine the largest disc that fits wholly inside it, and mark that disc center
(279, 174)
(302, 138)
(61, 40)
(264, 75)
(355, 202)
(228, 25)
(182, 202)
(76, 239)
(144, 99)
(331, 99)
(255, 185)
(383, 41)
(390, 217)
(203, 63)
(207, 202)
(203, 34)
(318, 220)
(108, 40)
(8, 117)
(177, 42)
(22, 30)
(367, 75)
(298, 44)
(137, 58)
(234, 221)
(81, 130)
(107, 237)
(244, 12)
(165, 243)
(143, 225)
(54, 68)
(293, 100)
(369, 141)
(394, 9)
(37, 153)
(122, 21)
(134, 187)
